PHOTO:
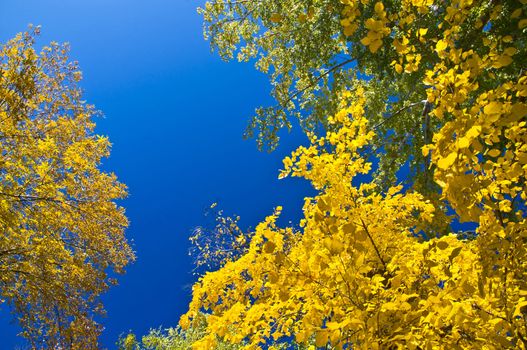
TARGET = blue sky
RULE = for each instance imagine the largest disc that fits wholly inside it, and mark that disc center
(175, 114)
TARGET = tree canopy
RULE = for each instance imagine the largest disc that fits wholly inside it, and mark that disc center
(438, 87)
(312, 50)
(171, 338)
(62, 229)
(416, 116)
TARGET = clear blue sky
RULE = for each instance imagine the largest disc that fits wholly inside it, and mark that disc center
(175, 114)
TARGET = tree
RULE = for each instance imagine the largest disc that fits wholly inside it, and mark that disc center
(62, 230)
(312, 50)
(179, 339)
(219, 242)
(212, 246)
(378, 265)
(170, 339)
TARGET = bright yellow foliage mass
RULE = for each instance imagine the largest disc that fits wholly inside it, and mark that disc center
(358, 273)
(62, 231)
(366, 270)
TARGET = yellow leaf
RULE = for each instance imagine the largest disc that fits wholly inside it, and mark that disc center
(473, 132)
(518, 111)
(184, 322)
(426, 150)
(375, 45)
(442, 245)
(276, 18)
(455, 253)
(301, 337)
(494, 152)
(492, 108)
(441, 46)
(379, 7)
(361, 235)
(321, 339)
(463, 142)
(519, 306)
(365, 41)
(269, 247)
(332, 325)
(503, 61)
(516, 13)
(446, 162)
(348, 228)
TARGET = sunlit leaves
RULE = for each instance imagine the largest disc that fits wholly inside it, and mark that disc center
(62, 231)
(357, 265)
(374, 266)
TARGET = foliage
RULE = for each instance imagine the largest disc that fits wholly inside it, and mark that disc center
(62, 231)
(212, 247)
(358, 274)
(314, 49)
(171, 338)
(376, 265)
(179, 339)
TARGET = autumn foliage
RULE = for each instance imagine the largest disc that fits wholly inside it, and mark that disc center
(416, 116)
(395, 262)
(62, 231)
